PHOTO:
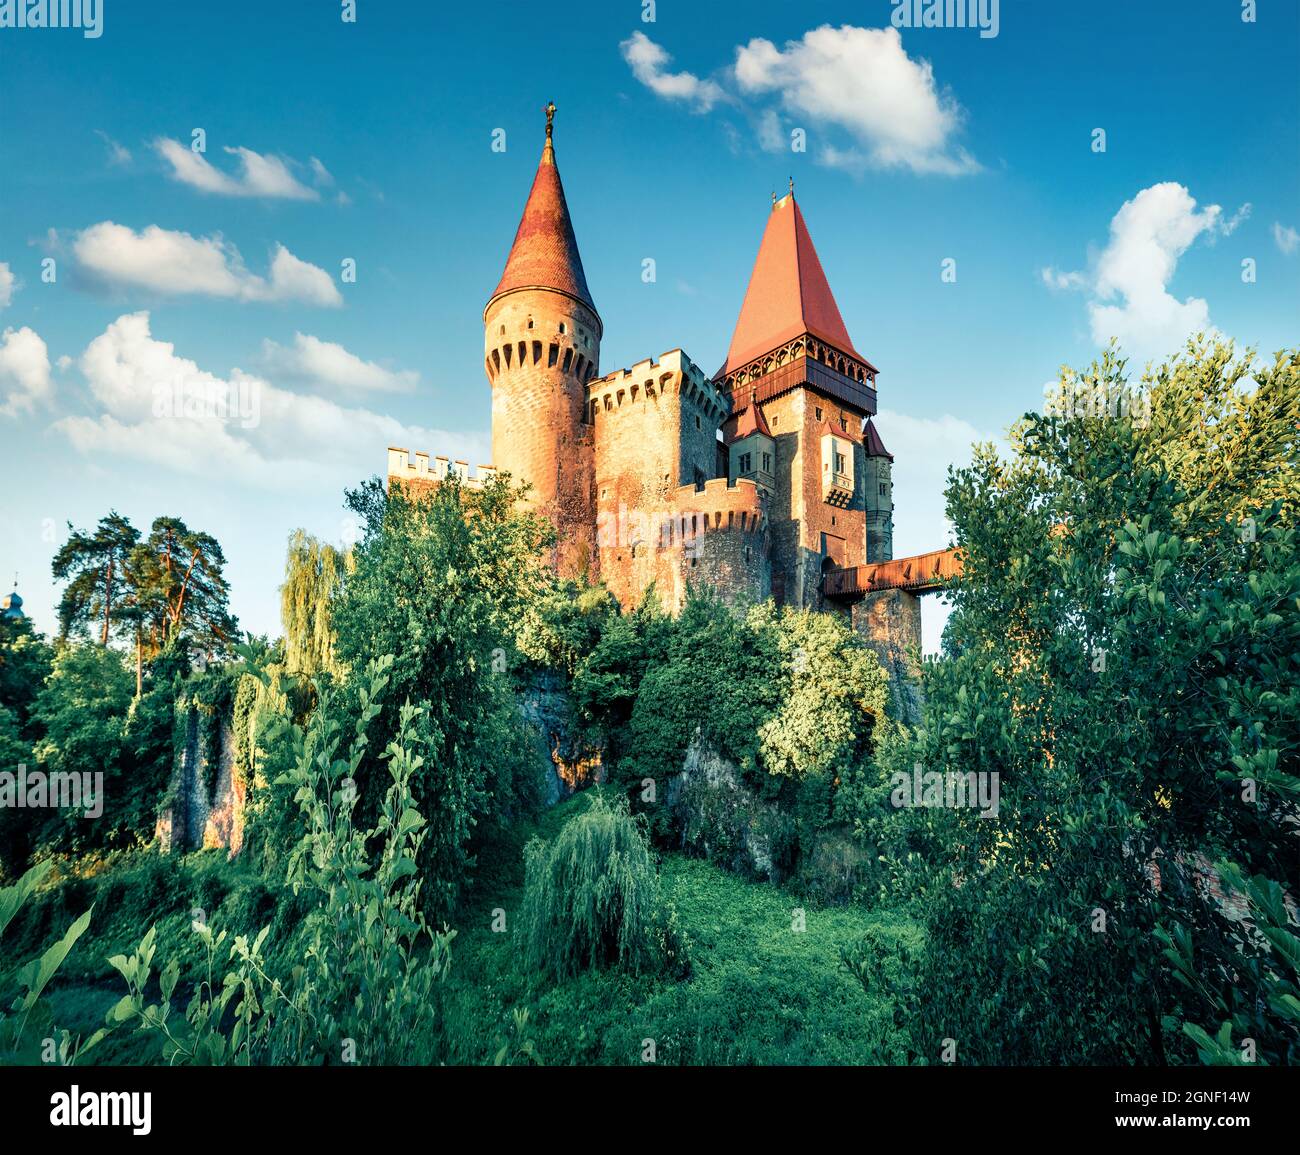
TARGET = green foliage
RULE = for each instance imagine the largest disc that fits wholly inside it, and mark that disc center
(364, 990)
(95, 567)
(313, 575)
(758, 991)
(27, 1033)
(1257, 1005)
(1125, 655)
(790, 699)
(440, 582)
(169, 587)
(563, 623)
(591, 899)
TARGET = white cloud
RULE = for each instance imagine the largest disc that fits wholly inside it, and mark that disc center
(1130, 280)
(1238, 218)
(259, 176)
(117, 154)
(7, 284)
(649, 62)
(320, 173)
(862, 81)
(1147, 237)
(161, 408)
(771, 135)
(175, 263)
(326, 363)
(1286, 238)
(1055, 279)
(24, 371)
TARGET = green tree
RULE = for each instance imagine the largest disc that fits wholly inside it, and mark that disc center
(182, 592)
(364, 990)
(313, 576)
(1124, 653)
(591, 899)
(440, 581)
(93, 564)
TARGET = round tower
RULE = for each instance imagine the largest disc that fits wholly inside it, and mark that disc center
(541, 347)
(880, 496)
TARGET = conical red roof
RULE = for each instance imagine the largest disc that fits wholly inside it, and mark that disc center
(751, 420)
(545, 252)
(788, 294)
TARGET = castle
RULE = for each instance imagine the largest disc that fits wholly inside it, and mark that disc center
(766, 479)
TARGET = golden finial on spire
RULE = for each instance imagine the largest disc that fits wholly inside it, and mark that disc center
(792, 186)
(774, 198)
(550, 118)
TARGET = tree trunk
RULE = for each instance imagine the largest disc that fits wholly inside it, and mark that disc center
(139, 659)
(108, 599)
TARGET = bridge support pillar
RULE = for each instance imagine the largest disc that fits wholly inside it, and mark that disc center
(890, 623)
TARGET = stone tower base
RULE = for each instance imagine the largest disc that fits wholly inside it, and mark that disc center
(890, 622)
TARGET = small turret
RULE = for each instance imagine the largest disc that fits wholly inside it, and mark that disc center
(879, 496)
(752, 449)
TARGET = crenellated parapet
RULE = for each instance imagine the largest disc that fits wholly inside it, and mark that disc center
(713, 534)
(420, 471)
(717, 506)
(673, 373)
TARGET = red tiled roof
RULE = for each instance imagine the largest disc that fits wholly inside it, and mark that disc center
(751, 420)
(788, 294)
(545, 252)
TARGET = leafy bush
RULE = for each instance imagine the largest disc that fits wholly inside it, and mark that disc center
(363, 989)
(591, 899)
(1125, 655)
(27, 1034)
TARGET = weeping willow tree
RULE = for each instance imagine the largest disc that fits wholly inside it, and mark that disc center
(591, 899)
(313, 572)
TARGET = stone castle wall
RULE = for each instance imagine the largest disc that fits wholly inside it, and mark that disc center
(805, 523)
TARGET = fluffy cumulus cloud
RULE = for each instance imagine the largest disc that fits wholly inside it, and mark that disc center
(24, 372)
(159, 407)
(649, 63)
(876, 106)
(175, 263)
(1129, 283)
(1286, 237)
(329, 364)
(7, 283)
(861, 81)
(256, 176)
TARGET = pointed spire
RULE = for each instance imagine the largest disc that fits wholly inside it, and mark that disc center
(871, 441)
(545, 252)
(788, 294)
(751, 420)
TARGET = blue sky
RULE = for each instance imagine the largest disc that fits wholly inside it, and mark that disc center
(220, 274)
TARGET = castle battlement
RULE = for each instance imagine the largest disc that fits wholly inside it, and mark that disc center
(718, 507)
(674, 371)
(430, 471)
